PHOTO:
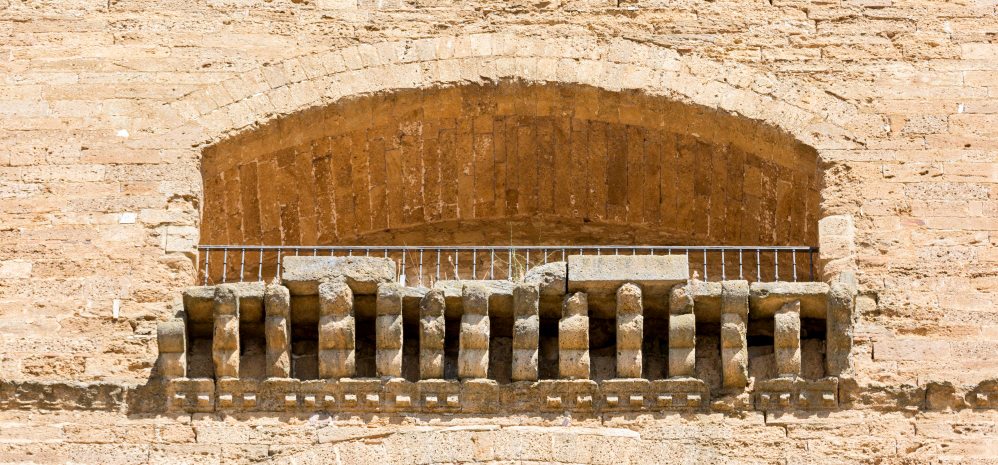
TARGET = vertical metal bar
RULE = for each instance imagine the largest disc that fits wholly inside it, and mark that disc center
(492, 263)
(315, 252)
(207, 257)
(724, 275)
(562, 254)
(367, 252)
(616, 251)
(794, 255)
(474, 263)
(740, 264)
(457, 258)
(402, 275)
(776, 261)
(810, 262)
(349, 252)
(509, 266)
(242, 263)
(705, 264)
(758, 266)
(296, 251)
(279, 253)
(386, 252)
(225, 263)
(259, 271)
(420, 267)
(526, 267)
(545, 256)
(437, 278)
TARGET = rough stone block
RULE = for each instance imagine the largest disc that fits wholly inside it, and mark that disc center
(277, 331)
(734, 330)
(473, 354)
(573, 338)
(526, 331)
(838, 333)
(604, 274)
(225, 342)
(337, 331)
(551, 278)
(786, 340)
(302, 274)
(682, 333)
(431, 336)
(766, 298)
(630, 331)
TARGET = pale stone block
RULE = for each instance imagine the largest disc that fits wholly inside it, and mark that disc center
(786, 339)
(432, 328)
(225, 341)
(630, 331)
(473, 351)
(526, 331)
(606, 273)
(734, 329)
(573, 338)
(682, 333)
(765, 299)
(839, 328)
(277, 330)
(551, 278)
(337, 331)
(302, 274)
(388, 330)
(171, 337)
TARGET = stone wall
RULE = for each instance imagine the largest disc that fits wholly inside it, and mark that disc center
(106, 109)
(585, 165)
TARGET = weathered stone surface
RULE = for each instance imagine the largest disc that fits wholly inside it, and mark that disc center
(337, 331)
(839, 328)
(766, 298)
(573, 338)
(432, 329)
(606, 273)
(277, 329)
(473, 355)
(551, 278)
(786, 339)
(225, 339)
(388, 330)
(128, 139)
(682, 333)
(526, 331)
(302, 274)
(734, 330)
(630, 331)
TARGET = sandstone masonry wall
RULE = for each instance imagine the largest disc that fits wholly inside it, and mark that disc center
(106, 109)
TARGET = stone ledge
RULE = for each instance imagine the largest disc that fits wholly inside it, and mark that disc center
(302, 274)
(603, 274)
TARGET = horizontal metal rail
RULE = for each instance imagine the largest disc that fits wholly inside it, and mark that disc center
(424, 265)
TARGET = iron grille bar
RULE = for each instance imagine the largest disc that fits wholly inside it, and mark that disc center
(712, 262)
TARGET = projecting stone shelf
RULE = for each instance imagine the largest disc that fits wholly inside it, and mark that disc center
(595, 334)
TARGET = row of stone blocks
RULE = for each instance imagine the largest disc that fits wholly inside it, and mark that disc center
(441, 396)
(628, 280)
(481, 395)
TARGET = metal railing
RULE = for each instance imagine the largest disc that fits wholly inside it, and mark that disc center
(424, 265)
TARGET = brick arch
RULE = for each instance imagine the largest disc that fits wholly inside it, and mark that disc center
(295, 106)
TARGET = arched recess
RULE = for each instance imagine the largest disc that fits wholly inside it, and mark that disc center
(494, 139)
(511, 163)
